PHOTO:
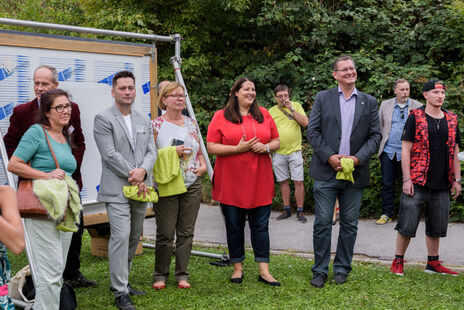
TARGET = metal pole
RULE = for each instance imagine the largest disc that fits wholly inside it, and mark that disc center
(4, 156)
(153, 82)
(177, 38)
(141, 36)
(179, 79)
(210, 255)
(196, 253)
(21, 304)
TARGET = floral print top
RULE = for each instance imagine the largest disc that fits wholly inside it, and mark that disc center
(5, 301)
(192, 139)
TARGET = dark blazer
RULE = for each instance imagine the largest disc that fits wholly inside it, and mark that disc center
(324, 134)
(25, 115)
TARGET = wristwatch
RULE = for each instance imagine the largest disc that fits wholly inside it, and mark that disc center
(292, 109)
(457, 180)
(268, 149)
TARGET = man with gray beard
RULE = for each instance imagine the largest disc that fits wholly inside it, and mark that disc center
(393, 114)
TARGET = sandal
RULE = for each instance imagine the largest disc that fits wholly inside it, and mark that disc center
(160, 285)
(185, 284)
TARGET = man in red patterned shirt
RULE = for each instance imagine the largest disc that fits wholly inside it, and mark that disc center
(430, 170)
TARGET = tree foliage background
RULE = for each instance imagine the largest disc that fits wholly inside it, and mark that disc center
(292, 42)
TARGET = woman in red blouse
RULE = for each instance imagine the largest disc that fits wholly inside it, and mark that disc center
(243, 135)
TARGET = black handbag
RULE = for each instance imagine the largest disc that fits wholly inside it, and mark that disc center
(68, 300)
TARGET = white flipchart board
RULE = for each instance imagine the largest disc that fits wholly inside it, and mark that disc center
(86, 75)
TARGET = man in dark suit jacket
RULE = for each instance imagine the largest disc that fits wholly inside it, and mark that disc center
(344, 122)
(23, 117)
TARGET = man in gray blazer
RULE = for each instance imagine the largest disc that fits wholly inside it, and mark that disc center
(393, 114)
(344, 122)
(125, 141)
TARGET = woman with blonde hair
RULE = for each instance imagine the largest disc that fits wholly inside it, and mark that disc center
(177, 172)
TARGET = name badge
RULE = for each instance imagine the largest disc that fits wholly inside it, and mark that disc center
(141, 129)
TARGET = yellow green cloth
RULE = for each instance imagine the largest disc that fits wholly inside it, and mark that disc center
(131, 192)
(348, 168)
(289, 129)
(167, 173)
(62, 201)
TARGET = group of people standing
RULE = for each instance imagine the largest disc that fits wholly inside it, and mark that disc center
(345, 129)
(250, 144)
(418, 143)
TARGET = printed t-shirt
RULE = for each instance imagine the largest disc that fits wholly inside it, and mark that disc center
(189, 163)
(438, 167)
(289, 129)
(244, 180)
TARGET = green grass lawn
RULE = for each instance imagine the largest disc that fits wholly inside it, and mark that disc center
(369, 286)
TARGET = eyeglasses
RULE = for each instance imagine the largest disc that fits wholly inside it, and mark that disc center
(177, 96)
(60, 108)
(282, 96)
(346, 69)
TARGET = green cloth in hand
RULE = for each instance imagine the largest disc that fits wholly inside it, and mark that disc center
(132, 190)
(347, 169)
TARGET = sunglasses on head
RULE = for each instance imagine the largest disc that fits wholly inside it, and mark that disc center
(402, 112)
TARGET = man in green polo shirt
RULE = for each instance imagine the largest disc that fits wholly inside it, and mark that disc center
(287, 161)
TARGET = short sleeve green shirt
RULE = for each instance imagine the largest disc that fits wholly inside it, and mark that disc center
(34, 147)
(288, 128)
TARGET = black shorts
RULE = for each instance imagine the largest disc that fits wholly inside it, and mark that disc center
(437, 204)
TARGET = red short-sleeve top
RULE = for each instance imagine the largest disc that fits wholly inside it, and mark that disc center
(244, 180)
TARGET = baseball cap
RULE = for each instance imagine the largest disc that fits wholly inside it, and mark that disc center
(432, 84)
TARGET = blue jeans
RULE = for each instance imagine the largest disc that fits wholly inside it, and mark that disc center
(258, 221)
(390, 168)
(349, 198)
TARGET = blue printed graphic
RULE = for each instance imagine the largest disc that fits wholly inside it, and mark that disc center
(146, 87)
(6, 110)
(4, 73)
(108, 80)
(129, 66)
(84, 193)
(22, 68)
(66, 74)
(79, 71)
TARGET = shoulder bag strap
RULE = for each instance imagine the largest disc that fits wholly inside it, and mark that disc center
(51, 149)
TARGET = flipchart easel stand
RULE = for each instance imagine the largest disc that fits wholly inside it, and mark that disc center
(175, 60)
